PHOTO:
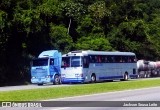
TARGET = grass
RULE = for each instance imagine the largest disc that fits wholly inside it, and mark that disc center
(80, 89)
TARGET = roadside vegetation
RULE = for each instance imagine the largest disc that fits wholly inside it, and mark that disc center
(28, 27)
(75, 90)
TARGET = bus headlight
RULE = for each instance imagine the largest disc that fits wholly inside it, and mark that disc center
(63, 75)
(48, 76)
(78, 75)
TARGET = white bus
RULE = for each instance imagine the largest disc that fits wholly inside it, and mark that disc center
(92, 66)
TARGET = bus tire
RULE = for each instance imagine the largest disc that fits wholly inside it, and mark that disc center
(93, 78)
(125, 77)
(56, 80)
(148, 75)
(145, 75)
(40, 84)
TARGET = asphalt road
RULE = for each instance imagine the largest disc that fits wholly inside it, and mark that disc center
(118, 98)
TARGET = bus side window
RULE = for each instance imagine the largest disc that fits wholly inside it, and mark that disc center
(103, 60)
(91, 59)
(51, 61)
(129, 60)
(106, 59)
(118, 59)
(96, 59)
(99, 59)
(132, 59)
(109, 59)
(125, 58)
(85, 62)
(113, 58)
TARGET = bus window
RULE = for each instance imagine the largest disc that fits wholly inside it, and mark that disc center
(96, 59)
(65, 62)
(103, 60)
(125, 59)
(85, 62)
(132, 59)
(92, 58)
(51, 61)
(118, 59)
(99, 59)
(40, 62)
(111, 59)
(75, 61)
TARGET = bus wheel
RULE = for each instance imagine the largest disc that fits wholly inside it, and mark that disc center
(56, 80)
(93, 78)
(145, 75)
(125, 77)
(40, 84)
(148, 75)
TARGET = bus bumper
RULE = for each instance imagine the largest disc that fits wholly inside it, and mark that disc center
(41, 80)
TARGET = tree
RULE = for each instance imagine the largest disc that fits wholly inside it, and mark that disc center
(94, 42)
(60, 39)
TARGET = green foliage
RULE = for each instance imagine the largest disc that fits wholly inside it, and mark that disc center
(72, 9)
(98, 10)
(3, 17)
(60, 39)
(94, 42)
(28, 27)
(3, 25)
(85, 26)
(28, 20)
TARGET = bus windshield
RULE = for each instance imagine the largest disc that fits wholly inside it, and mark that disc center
(40, 62)
(75, 61)
(65, 62)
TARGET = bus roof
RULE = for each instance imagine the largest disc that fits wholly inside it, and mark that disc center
(91, 52)
(48, 53)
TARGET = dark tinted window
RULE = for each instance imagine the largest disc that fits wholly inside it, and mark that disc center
(111, 59)
(51, 61)
(40, 62)
(85, 62)
(65, 62)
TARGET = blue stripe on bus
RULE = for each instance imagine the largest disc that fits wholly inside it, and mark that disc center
(65, 80)
(133, 76)
(111, 77)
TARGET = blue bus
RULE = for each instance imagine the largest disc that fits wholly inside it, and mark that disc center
(92, 66)
(46, 68)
